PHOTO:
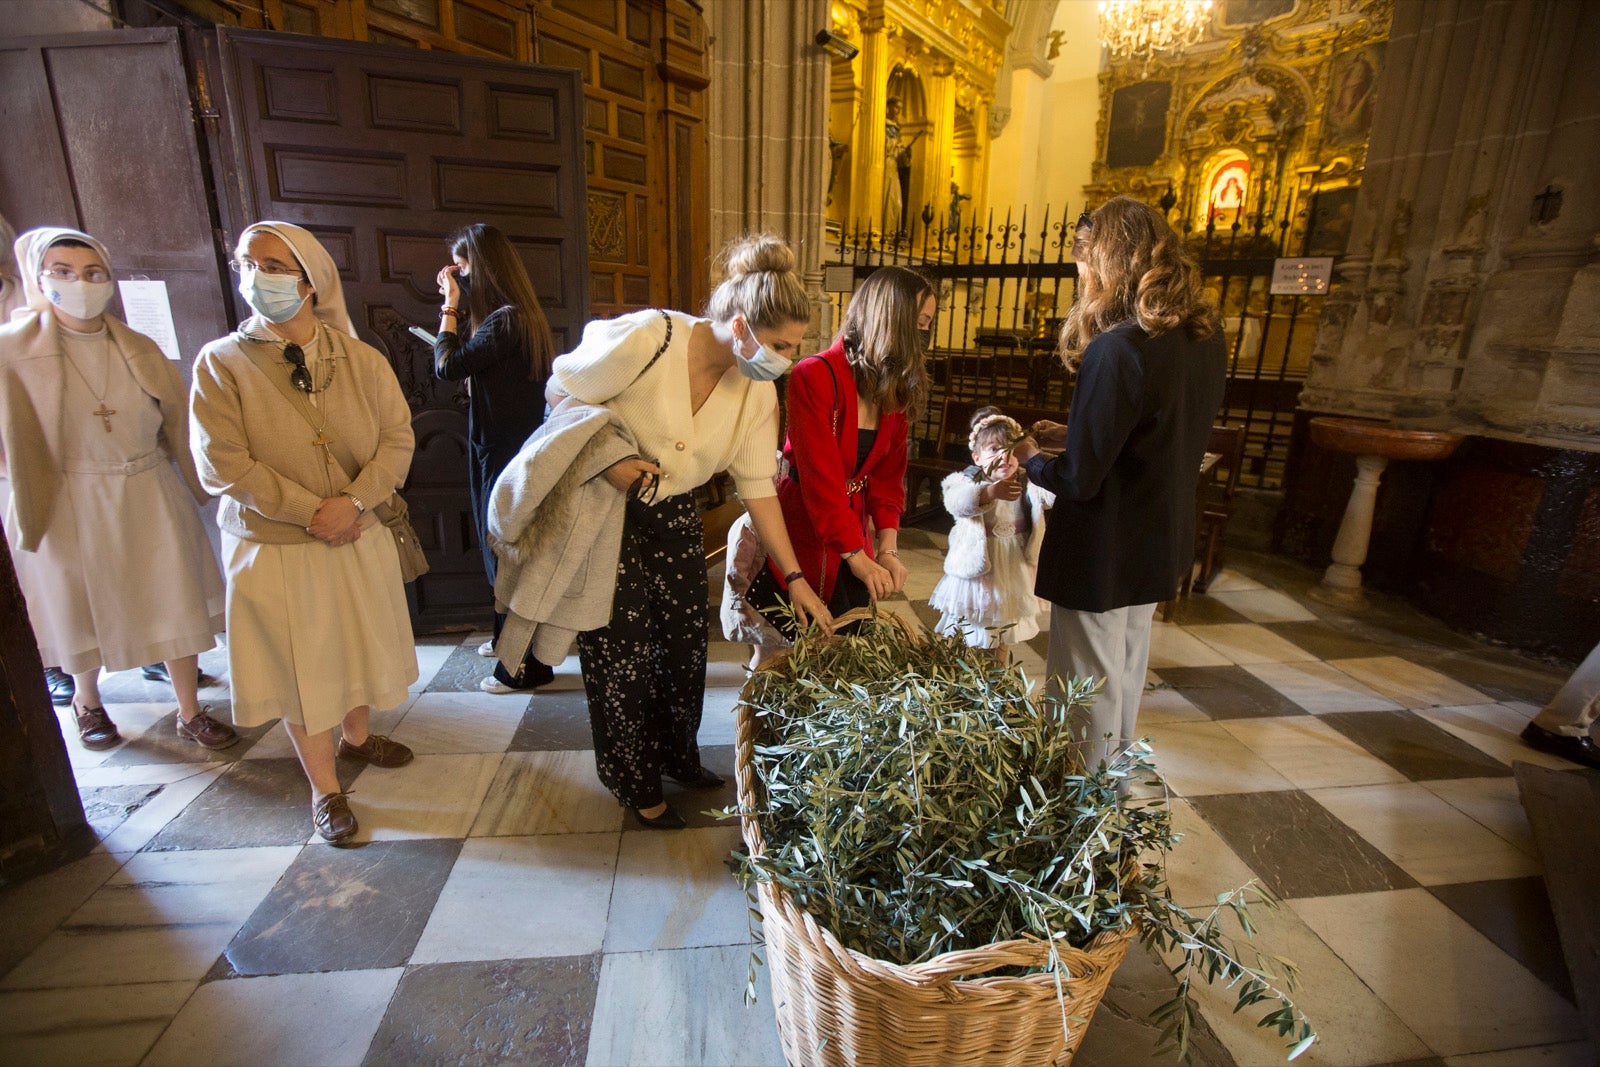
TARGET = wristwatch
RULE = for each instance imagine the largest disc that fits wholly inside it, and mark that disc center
(361, 509)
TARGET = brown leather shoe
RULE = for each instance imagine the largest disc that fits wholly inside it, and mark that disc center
(207, 732)
(377, 750)
(334, 820)
(95, 728)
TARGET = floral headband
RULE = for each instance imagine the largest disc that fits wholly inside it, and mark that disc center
(1013, 427)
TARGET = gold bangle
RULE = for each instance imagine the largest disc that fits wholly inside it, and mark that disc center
(448, 310)
(895, 552)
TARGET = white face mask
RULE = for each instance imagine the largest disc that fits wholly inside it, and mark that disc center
(764, 366)
(275, 297)
(80, 299)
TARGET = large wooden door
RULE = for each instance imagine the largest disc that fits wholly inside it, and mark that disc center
(100, 137)
(382, 152)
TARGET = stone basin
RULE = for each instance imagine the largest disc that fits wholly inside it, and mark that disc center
(1369, 437)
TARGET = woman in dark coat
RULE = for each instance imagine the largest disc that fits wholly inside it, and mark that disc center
(1152, 367)
(505, 358)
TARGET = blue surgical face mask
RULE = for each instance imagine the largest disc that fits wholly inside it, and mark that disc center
(275, 297)
(765, 366)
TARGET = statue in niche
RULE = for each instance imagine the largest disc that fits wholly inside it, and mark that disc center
(893, 195)
(956, 196)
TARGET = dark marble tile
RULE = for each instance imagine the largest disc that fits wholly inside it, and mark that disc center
(1228, 692)
(913, 537)
(1414, 746)
(1201, 610)
(345, 909)
(1296, 845)
(1121, 1032)
(462, 672)
(926, 614)
(161, 744)
(1329, 642)
(556, 720)
(254, 802)
(1489, 672)
(1515, 914)
(695, 805)
(108, 807)
(491, 1012)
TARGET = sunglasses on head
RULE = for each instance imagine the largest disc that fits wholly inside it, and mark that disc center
(299, 377)
(1085, 221)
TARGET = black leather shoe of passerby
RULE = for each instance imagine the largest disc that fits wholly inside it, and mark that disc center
(1577, 749)
(61, 686)
(157, 672)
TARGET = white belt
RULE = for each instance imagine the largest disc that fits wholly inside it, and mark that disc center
(153, 458)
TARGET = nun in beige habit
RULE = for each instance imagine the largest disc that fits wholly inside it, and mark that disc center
(104, 532)
(318, 628)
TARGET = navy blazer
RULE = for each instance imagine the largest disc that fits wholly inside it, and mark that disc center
(1122, 529)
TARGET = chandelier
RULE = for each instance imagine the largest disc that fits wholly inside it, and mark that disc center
(1136, 30)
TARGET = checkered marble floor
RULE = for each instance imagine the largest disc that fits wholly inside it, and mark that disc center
(502, 910)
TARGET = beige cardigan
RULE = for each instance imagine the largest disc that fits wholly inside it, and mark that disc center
(32, 392)
(254, 448)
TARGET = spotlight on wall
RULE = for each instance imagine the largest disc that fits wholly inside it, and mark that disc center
(836, 45)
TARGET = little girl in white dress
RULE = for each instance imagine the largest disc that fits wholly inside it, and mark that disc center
(986, 593)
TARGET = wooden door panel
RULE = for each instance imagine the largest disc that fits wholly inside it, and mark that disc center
(383, 152)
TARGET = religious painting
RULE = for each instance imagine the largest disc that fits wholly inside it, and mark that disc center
(1250, 12)
(1351, 95)
(1138, 132)
(1332, 212)
(1230, 186)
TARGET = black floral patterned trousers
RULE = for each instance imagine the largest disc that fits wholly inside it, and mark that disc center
(645, 672)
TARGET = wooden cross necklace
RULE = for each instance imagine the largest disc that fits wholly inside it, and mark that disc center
(104, 411)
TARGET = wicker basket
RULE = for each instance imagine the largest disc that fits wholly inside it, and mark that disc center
(839, 1008)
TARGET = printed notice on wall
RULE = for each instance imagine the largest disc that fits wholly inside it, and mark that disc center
(146, 308)
(1307, 276)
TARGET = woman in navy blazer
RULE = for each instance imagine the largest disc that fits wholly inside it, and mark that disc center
(1152, 366)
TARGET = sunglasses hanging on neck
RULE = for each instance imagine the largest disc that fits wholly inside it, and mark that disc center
(299, 375)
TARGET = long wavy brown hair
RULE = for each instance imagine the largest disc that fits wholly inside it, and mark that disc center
(1133, 266)
(882, 341)
(500, 280)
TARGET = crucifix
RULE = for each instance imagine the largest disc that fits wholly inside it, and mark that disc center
(1547, 205)
(105, 414)
(322, 441)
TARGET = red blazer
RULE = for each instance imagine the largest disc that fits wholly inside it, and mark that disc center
(823, 518)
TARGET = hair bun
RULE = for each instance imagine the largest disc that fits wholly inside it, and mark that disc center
(758, 253)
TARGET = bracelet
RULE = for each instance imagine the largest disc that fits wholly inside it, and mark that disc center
(794, 576)
(846, 555)
(361, 509)
(446, 309)
(895, 552)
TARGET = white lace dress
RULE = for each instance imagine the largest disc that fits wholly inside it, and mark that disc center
(998, 607)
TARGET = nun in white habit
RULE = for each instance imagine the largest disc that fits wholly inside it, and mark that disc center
(104, 532)
(318, 628)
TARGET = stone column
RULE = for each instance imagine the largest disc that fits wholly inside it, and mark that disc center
(769, 128)
(867, 146)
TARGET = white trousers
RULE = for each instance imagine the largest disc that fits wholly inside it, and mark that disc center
(1115, 646)
(1576, 704)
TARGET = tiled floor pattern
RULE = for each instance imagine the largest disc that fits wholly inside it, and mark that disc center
(502, 910)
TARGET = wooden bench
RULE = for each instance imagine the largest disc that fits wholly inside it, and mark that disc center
(950, 452)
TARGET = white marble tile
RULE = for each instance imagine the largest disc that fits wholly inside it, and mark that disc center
(222, 1024)
(1447, 982)
(460, 722)
(1310, 753)
(1201, 865)
(1493, 803)
(1493, 729)
(32, 909)
(1574, 1054)
(432, 796)
(430, 657)
(1200, 759)
(1249, 642)
(1354, 1024)
(275, 743)
(674, 890)
(1412, 685)
(924, 568)
(1319, 688)
(149, 774)
(107, 1025)
(717, 717)
(137, 829)
(728, 674)
(1172, 646)
(1164, 704)
(516, 897)
(165, 916)
(667, 1009)
(1262, 605)
(1424, 835)
(547, 793)
(1231, 581)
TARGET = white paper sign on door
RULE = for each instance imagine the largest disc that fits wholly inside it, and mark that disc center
(147, 309)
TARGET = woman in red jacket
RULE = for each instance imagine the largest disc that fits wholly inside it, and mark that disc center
(846, 448)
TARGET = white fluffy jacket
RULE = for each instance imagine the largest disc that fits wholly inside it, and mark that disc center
(967, 556)
(556, 526)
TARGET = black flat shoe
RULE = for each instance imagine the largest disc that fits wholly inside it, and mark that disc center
(61, 686)
(1577, 749)
(667, 820)
(706, 779)
(157, 672)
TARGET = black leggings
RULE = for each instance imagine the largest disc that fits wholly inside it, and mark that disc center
(645, 672)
